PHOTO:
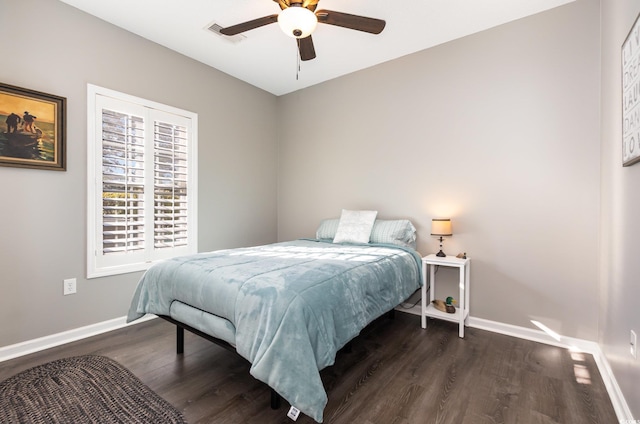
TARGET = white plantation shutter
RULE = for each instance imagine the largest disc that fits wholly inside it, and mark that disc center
(142, 190)
(170, 186)
(122, 182)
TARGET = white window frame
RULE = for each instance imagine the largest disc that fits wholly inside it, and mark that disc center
(99, 264)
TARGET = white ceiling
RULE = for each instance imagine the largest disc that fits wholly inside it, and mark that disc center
(267, 58)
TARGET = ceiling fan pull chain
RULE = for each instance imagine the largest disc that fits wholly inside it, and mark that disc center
(297, 59)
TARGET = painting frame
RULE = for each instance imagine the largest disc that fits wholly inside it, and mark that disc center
(32, 129)
(630, 85)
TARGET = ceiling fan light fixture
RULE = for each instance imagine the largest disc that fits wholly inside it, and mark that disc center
(297, 21)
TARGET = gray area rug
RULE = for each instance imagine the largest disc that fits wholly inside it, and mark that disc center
(82, 389)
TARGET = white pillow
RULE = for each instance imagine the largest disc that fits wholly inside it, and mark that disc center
(355, 226)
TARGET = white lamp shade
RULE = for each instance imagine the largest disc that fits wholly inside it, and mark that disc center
(297, 21)
(441, 227)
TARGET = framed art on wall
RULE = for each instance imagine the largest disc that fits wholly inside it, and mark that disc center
(34, 129)
(630, 56)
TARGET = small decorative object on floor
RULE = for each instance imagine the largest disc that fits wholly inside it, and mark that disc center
(82, 389)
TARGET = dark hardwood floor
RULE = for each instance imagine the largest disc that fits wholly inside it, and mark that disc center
(395, 373)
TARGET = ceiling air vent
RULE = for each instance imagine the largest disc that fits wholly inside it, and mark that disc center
(215, 28)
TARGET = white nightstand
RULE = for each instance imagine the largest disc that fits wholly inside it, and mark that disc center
(462, 310)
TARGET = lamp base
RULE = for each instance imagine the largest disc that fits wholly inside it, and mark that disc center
(441, 254)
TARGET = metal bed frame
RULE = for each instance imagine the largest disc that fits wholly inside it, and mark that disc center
(180, 327)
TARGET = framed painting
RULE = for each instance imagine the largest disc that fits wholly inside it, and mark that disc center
(34, 129)
(631, 96)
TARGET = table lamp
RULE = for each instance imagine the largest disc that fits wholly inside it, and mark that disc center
(441, 228)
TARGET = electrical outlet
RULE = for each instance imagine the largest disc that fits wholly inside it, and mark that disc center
(633, 345)
(69, 286)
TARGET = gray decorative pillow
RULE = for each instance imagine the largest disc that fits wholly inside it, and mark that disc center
(327, 229)
(355, 226)
(398, 231)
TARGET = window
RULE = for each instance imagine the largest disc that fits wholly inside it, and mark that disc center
(142, 190)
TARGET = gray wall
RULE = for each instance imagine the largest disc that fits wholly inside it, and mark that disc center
(43, 213)
(499, 131)
(620, 229)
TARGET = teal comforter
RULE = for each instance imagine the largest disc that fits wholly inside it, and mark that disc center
(293, 304)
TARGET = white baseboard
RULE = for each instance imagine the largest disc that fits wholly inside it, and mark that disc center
(42, 343)
(617, 398)
(535, 335)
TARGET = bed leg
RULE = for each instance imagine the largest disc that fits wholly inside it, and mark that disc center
(275, 399)
(179, 340)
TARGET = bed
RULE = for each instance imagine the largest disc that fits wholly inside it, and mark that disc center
(287, 307)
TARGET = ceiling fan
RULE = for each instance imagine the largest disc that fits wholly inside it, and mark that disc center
(298, 19)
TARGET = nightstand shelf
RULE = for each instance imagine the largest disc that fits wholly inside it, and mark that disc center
(462, 310)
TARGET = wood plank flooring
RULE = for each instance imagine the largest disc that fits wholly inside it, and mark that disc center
(395, 373)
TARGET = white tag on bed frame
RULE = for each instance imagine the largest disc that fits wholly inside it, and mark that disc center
(293, 413)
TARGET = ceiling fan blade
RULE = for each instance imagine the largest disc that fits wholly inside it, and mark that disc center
(346, 20)
(306, 49)
(249, 25)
